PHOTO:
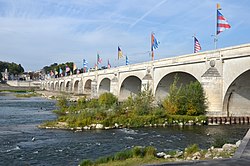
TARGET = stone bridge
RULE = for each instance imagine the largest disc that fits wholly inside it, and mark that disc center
(223, 73)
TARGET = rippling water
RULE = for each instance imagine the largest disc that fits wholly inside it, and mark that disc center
(22, 143)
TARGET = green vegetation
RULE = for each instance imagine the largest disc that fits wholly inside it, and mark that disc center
(130, 156)
(17, 91)
(137, 111)
(186, 100)
(55, 67)
(148, 155)
(219, 141)
(27, 95)
(12, 68)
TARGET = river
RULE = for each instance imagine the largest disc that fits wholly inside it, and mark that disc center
(22, 143)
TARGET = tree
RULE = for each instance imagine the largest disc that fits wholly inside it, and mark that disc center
(170, 103)
(12, 68)
(107, 100)
(186, 100)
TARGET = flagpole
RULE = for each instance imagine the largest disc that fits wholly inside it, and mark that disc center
(194, 41)
(216, 27)
(151, 45)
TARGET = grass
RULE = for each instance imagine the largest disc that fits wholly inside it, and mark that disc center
(27, 95)
(17, 91)
(137, 161)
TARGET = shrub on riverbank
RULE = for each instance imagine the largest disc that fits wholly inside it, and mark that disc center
(140, 110)
(149, 155)
(186, 100)
(122, 156)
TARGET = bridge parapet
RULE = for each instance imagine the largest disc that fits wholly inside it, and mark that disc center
(224, 74)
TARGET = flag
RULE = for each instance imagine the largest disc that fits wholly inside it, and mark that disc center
(154, 44)
(51, 73)
(99, 59)
(197, 46)
(127, 62)
(119, 53)
(74, 67)
(218, 6)
(67, 69)
(222, 23)
(56, 72)
(61, 72)
(109, 66)
(96, 67)
(85, 65)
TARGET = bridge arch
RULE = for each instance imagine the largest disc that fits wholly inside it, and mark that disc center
(61, 86)
(131, 85)
(87, 86)
(68, 86)
(56, 86)
(164, 84)
(52, 86)
(48, 86)
(104, 86)
(237, 97)
(76, 86)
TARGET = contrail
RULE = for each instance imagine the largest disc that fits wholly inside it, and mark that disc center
(147, 13)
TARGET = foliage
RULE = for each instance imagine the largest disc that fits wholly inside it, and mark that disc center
(150, 151)
(219, 141)
(86, 163)
(27, 95)
(12, 68)
(56, 67)
(141, 152)
(191, 149)
(141, 104)
(123, 155)
(171, 101)
(62, 102)
(107, 100)
(185, 100)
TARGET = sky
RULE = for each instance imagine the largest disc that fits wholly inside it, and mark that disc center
(38, 33)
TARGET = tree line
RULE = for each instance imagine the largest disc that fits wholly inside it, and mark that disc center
(12, 68)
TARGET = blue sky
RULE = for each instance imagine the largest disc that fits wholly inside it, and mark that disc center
(36, 33)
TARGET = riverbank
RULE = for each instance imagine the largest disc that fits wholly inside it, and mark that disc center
(55, 95)
(148, 155)
(6, 87)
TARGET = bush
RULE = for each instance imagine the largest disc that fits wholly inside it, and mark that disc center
(138, 151)
(93, 103)
(123, 155)
(62, 103)
(219, 141)
(107, 100)
(191, 149)
(150, 151)
(86, 163)
(102, 160)
(186, 100)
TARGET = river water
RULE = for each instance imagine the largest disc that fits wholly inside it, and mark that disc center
(22, 143)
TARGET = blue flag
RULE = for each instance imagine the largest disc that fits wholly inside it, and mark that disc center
(127, 62)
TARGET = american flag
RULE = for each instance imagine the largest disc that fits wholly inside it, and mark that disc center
(99, 59)
(222, 23)
(109, 65)
(197, 46)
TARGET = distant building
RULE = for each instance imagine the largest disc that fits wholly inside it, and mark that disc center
(5, 75)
